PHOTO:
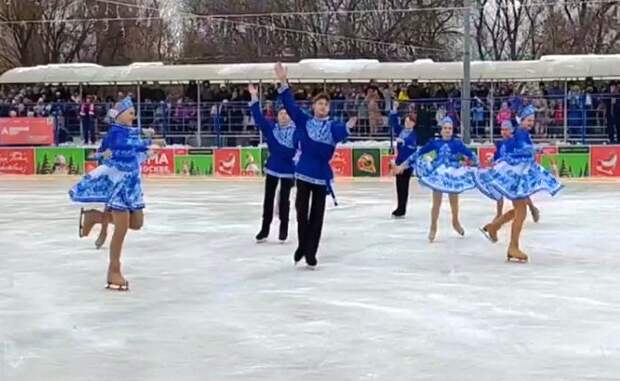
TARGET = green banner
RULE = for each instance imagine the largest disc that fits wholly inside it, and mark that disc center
(251, 161)
(194, 165)
(366, 162)
(568, 164)
(59, 161)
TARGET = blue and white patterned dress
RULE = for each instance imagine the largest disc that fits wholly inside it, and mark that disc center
(445, 173)
(516, 175)
(117, 182)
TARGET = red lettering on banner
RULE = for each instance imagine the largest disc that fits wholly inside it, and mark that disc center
(17, 161)
(161, 163)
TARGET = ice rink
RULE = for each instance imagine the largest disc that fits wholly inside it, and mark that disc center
(207, 303)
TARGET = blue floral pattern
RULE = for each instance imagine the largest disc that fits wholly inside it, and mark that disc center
(516, 175)
(284, 136)
(516, 180)
(320, 131)
(116, 183)
(445, 173)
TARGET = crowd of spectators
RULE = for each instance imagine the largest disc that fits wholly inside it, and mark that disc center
(173, 111)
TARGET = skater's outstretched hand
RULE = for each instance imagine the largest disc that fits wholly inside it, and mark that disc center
(351, 123)
(252, 89)
(148, 132)
(107, 154)
(281, 72)
(159, 142)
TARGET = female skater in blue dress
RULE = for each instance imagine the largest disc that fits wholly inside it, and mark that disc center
(117, 185)
(445, 174)
(501, 153)
(516, 178)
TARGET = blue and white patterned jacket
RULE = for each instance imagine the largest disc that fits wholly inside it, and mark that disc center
(280, 143)
(317, 139)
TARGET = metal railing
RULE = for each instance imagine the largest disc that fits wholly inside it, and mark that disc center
(577, 118)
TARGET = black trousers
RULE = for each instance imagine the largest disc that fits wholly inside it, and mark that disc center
(89, 131)
(309, 219)
(402, 190)
(284, 204)
(611, 129)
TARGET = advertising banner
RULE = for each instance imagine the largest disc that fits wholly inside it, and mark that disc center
(342, 162)
(485, 154)
(227, 162)
(194, 165)
(17, 161)
(162, 163)
(387, 162)
(567, 164)
(251, 162)
(366, 162)
(604, 161)
(59, 161)
(26, 131)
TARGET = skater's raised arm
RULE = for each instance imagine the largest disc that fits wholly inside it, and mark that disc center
(263, 124)
(297, 114)
(394, 119)
(341, 131)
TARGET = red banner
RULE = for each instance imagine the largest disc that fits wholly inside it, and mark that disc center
(227, 162)
(485, 154)
(342, 162)
(605, 161)
(26, 131)
(17, 161)
(387, 162)
(162, 163)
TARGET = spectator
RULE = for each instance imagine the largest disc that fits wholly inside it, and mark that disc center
(403, 96)
(375, 119)
(504, 114)
(87, 117)
(478, 117)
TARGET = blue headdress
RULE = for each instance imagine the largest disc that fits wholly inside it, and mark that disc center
(507, 124)
(527, 111)
(122, 106)
(447, 120)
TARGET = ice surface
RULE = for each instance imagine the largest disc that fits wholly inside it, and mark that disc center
(207, 303)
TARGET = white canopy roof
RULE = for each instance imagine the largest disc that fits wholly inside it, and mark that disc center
(319, 70)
